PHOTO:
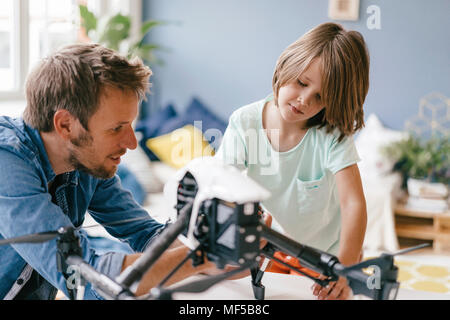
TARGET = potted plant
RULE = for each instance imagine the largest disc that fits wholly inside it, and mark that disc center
(114, 33)
(420, 159)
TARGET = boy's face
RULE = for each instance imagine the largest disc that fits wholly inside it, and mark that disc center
(110, 134)
(300, 100)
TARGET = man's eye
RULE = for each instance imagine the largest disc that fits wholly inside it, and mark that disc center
(117, 129)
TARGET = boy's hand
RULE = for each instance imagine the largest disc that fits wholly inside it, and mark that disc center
(336, 290)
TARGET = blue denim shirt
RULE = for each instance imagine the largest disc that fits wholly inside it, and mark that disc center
(26, 207)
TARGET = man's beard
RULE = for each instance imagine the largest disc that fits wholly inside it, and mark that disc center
(84, 140)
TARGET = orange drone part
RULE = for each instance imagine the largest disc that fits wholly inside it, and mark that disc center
(277, 267)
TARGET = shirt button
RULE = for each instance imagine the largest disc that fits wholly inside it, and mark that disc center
(20, 281)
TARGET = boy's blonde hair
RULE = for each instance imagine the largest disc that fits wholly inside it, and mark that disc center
(345, 74)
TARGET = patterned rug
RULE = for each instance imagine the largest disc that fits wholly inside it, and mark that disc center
(424, 276)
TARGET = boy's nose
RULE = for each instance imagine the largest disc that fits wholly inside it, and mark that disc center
(302, 100)
(305, 98)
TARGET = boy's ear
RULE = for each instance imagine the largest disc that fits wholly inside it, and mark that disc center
(64, 123)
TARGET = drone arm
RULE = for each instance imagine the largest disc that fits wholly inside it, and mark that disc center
(381, 285)
(108, 287)
(131, 276)
(311, 258)
(269, 252)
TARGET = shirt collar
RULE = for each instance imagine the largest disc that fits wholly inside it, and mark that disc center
(70, 177)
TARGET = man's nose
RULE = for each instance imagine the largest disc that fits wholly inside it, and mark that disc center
(129, 140)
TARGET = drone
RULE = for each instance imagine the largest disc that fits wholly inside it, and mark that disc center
(219, 217)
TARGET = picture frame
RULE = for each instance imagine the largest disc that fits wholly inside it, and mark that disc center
(347, 10)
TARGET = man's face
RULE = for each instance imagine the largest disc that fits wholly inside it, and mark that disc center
(98, 150)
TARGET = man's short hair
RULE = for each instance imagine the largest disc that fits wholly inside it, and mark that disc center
(73, 78)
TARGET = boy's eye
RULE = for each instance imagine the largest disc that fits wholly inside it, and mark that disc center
(305, 85)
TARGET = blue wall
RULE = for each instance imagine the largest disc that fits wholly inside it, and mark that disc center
(224, 52)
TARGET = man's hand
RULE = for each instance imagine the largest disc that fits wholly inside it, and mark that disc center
(336, 290)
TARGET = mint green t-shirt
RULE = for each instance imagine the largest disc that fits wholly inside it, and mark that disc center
(304, 199)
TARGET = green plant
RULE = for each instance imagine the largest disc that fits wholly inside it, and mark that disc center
(421, 159)
(114, 33)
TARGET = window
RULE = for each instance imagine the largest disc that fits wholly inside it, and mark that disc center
(8, 47)
(51, 25)
(31, 29)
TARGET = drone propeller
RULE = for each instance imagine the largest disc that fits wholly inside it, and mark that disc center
(113, 223)
(204, 284)
(50, 235)
(32, 238)
(196, 286)
(407, 250)
(385, 258)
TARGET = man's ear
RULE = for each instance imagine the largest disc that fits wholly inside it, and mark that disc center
(64, 123)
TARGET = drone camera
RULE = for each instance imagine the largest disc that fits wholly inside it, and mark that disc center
(229, 233)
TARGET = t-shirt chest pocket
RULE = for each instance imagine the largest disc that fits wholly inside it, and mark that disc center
(313, 196)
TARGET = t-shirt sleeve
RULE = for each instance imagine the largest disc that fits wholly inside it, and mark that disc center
(232, 149)
(342, 154)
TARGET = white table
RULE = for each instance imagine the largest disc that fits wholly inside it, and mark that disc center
(282, 287)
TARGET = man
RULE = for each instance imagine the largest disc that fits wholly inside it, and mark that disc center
(60, 161)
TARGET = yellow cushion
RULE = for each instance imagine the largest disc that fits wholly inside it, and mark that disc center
(180, 146)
